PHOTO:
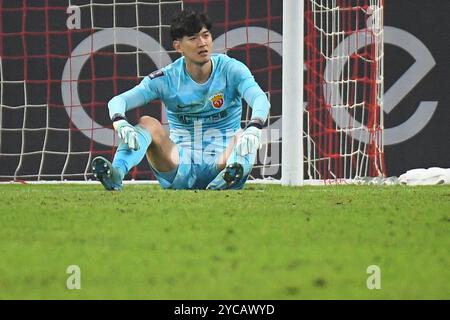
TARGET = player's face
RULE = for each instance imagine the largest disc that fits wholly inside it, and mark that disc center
(196, 48)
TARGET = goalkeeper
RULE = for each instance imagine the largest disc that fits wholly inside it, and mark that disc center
(206, 148)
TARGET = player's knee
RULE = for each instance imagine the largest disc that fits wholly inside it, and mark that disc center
(153, 126)
(149, 123)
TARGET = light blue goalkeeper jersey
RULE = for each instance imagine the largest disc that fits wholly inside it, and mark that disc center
(199, 115)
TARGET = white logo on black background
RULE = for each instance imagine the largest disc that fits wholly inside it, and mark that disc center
(392, 98)
(408, 81)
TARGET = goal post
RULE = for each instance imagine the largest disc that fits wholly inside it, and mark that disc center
(292, 103)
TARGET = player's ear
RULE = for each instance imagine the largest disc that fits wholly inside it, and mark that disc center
(177, 46)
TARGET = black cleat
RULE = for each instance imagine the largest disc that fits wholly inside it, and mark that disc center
(106, 174)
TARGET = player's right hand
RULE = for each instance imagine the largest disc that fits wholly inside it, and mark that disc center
(249, 141)
(127, 133)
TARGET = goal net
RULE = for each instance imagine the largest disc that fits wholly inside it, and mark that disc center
(61, 61)
(344, 89)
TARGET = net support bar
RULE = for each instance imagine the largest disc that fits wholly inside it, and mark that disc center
(292, 100)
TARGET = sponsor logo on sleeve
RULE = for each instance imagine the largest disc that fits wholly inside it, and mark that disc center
(156, 74)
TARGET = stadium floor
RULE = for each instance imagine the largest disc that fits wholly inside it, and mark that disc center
(264, 242)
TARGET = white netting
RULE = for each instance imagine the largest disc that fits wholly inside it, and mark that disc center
(344, 88)
(61, 61)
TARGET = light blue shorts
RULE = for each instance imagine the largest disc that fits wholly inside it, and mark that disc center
(192, 173)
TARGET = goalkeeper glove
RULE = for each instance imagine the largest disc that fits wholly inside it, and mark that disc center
(249, 142)
(127, 133)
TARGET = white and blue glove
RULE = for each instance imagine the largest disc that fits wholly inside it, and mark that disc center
(127, 133)
(249, 142)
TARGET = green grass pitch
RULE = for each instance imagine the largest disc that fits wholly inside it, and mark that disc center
(264, 242)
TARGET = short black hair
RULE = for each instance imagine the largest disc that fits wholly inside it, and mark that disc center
(188, 23)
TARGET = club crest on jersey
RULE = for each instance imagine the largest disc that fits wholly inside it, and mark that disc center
(217, 100)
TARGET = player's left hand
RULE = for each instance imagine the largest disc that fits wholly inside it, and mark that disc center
(249, 141)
